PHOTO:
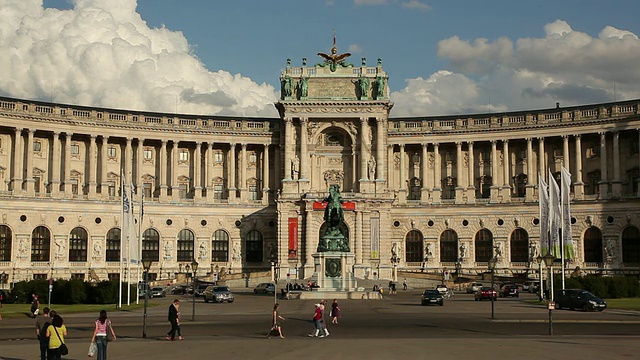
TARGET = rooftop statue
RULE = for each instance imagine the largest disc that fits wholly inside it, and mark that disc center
(334, 59)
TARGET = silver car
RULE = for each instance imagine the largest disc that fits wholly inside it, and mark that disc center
(218, 294)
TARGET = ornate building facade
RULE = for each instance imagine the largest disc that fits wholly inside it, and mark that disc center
(244, 194)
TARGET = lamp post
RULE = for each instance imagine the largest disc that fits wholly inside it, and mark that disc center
(548, 261)
(492, 266)
(146, 265)
(539, 261)
(194, 266)
(276, 274)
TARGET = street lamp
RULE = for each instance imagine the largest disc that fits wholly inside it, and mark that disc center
(539, 261)
(548, 261)
(492, 266)
(194, 266)
(146, 265)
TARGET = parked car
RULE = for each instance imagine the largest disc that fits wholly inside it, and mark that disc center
(157, 291)
(473, 288)
(486, 292)
(6, 298)
(442, 288)
(578, 299)
(534, 287)
(265, 288)
(200, 290)
(218, 294)
(510, 290)
(527, 286)
(432, 297)
(179, 290)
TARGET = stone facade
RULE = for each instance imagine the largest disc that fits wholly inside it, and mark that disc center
(244, 194)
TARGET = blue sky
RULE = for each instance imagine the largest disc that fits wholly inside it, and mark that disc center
(225, 57)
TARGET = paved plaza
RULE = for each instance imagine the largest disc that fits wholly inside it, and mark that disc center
(395, 327)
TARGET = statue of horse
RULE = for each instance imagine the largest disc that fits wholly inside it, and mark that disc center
(333, 239)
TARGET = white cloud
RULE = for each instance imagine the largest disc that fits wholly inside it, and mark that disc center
(101, 53)
(416, 5)
(566, 66)
(355, 49)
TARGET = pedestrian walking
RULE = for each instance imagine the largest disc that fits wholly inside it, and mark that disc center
(335, 311)
(323, 306)
(404, 284)
(275, 326)
(174, 319)
(35, 305)
(103, 327)
(56, 333)
(42, 323)
(317, 318)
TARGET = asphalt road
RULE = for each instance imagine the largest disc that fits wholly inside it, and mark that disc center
(399, 321)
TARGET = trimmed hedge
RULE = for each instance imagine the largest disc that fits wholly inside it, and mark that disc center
(609, 287)
(74, 291)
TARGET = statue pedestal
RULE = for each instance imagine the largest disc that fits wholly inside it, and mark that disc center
(332, 271)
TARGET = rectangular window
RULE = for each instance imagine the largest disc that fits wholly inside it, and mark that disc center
(184, 155)
(37, 146)
(112, 188)
(148, 154)
(37, 183)
(253, 158)
(253, 192)
(75, 149)
(111, 152)
(147, 190)
(74, 186)
(114, 276)
(39, 276)
(217, 191)
(218, 157)
(183, 191)
(153, 276)
(77, 276)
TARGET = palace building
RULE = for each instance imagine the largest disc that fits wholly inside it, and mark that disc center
(241, 194)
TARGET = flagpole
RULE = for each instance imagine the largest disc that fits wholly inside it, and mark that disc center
(129, 224)
(122, 195)
(140, 217)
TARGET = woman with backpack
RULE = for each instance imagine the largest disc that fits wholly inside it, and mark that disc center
(103, 327)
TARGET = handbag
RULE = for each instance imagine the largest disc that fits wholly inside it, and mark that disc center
(110, 337)
(63, 348)
(93, 349)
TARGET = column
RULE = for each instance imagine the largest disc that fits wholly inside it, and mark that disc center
(175, 187)
(104, 184)
(531, 177)
(288, 148)
(67, 166)
(128, 161)
(380, 146)
(542, 170)
(208, 164)
(424, 161)
(494, 172)
(363, 148)
(402, 193)
(459, 164)
(197, 183)
(231, 161)
(565, 152)
(359, 238)
(93, 166)
(578, 185)
(616, 183)
(243, 172)
(437, 177)
(304, 157)
(391, 166)
(604, 183)
(506, 164)
(265, 175)
(29, 165)
(471, 189)
(18, 155)
(137, 177)
(163, 171)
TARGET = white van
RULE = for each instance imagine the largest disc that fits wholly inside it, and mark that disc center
(531, 286)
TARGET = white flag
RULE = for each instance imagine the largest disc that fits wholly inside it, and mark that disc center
(554, 215)
(134, 248)
(126, 210)
(543, 201)
(567, 240)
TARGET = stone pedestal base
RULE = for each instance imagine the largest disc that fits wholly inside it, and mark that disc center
(332, 271)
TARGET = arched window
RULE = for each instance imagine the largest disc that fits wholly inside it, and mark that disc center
(484, 245)
(5, 243)
(113, 245)
(151, 245)
(448, 246)
(185, 245)
(593, 245)
(253, 243)
(413, 246)
(519, 246)
(40, 244)
(78, 245)
(631, 245)
(220, 246)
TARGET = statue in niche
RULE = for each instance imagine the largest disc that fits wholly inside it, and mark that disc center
(59, 248)
(97, 249)
(463, 251)
(203, 251)
(236, 252)
(394, 252)
(363, 83)
(610, 249)
(380, 87)
(168, 249)
(333, 238)
(303, 87)
(371, 166)
(287, 86)
(295, 167)
(533, 252)
(22, 248)
(498, 250)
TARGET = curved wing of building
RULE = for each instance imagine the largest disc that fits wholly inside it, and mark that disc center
(245, 194)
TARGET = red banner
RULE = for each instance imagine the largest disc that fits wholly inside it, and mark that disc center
(293, 238)
(347, 205)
